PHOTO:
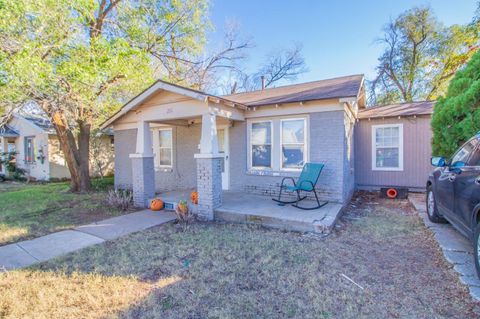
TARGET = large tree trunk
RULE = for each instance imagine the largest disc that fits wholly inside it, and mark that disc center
(77, 158)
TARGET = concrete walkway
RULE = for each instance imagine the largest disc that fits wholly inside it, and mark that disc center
(29, 252)
(455, 247)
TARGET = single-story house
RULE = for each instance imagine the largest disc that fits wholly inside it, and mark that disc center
(171, 137)
(393, 146)
(34, 141)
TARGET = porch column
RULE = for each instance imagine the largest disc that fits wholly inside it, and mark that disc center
(209, 171)
(143, 173)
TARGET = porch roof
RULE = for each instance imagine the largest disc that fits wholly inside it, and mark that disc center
(7, 131)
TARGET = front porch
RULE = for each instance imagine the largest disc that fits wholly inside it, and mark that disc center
(242, 207)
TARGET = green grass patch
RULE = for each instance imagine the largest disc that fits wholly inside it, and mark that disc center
(28, 211)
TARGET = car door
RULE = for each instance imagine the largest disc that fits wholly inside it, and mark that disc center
(445, 182)
(467, 189)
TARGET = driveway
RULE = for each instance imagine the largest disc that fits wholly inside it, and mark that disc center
(455, 247)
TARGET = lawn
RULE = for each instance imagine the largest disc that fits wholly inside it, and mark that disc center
(380, 262)
(32, 210)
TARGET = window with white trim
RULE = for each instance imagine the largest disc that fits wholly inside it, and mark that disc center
(261, 144)
(165, 147)
(293, 143)
(278, 144)
(387, 147)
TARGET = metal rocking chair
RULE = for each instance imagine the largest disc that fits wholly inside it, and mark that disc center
(306, 183)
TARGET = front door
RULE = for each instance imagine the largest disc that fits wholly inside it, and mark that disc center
(223, 148)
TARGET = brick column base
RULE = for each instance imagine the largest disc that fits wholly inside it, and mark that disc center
(209, 185)
(143, 180)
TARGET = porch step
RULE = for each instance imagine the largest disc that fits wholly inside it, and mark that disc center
(323, 225)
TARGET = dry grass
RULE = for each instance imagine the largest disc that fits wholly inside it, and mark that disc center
(238, 271)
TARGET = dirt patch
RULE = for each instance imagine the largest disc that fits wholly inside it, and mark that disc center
(381, 262)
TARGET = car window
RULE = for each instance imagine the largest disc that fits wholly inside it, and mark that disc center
(462, 156)
(475, 158)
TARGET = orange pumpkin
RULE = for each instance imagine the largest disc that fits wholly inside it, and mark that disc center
(194, 197)
(156, 204)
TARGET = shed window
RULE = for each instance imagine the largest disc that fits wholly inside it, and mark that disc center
(387, 147)
(165, 145)
(261, 144)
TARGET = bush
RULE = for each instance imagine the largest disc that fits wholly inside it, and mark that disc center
(121, 199)
(456, 117)
(9, 160)
(102, 183)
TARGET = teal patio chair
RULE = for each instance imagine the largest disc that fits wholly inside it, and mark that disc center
(306, 183)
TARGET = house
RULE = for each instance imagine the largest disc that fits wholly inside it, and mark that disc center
(38, 151)
(171, 137)
(393, 146)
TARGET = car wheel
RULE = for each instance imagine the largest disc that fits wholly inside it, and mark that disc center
(476, 248)
(432, 210)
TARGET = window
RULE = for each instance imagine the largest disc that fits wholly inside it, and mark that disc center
(387, 147)
(165, 145)
(277, 144)
(29, 150)
(261, 144)
(293, 143)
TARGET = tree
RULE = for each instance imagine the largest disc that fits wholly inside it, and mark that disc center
(456, 117)
(280, 65)
(420, 57)
(80, 60)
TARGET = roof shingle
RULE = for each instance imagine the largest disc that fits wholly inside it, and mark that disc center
(399, 109)
(347, 86)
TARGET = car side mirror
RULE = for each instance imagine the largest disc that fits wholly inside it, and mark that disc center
(438, 161)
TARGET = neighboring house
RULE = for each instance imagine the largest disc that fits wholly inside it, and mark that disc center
(171, 137)
(38, 152)
(393, 146)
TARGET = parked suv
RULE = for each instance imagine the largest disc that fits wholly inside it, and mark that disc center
(453, 192)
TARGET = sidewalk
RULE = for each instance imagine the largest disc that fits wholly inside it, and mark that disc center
(455, 247)
(29, 252)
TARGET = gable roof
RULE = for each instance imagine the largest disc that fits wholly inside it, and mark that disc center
(163, 85)
(399, 109)
(7, 131)
(341, 87)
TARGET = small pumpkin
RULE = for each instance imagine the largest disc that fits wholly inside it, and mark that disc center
(182, 207)
(194, 197)
(156, 204)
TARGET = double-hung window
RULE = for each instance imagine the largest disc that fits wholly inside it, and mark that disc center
(387, 147)
(165, 147)
(29, 149)
(261, 144)
(293, 143)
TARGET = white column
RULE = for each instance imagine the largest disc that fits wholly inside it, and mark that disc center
(208, 141)
(4, 149)
(144, 139)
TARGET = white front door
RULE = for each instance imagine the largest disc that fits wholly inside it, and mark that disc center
(224, 149)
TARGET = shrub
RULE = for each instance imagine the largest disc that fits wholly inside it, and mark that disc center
(121, 199)
(456, 117)
(183, 213)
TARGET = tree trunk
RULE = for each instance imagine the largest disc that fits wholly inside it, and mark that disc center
(77, 157)
(84, 155)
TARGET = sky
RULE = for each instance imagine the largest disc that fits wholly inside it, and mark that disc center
(338, 37)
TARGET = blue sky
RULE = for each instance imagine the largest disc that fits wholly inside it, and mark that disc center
(338, 37)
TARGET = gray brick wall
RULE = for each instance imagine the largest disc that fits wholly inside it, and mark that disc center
(181, 176)
(143, 181)
(209, 186)
(327, 145)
